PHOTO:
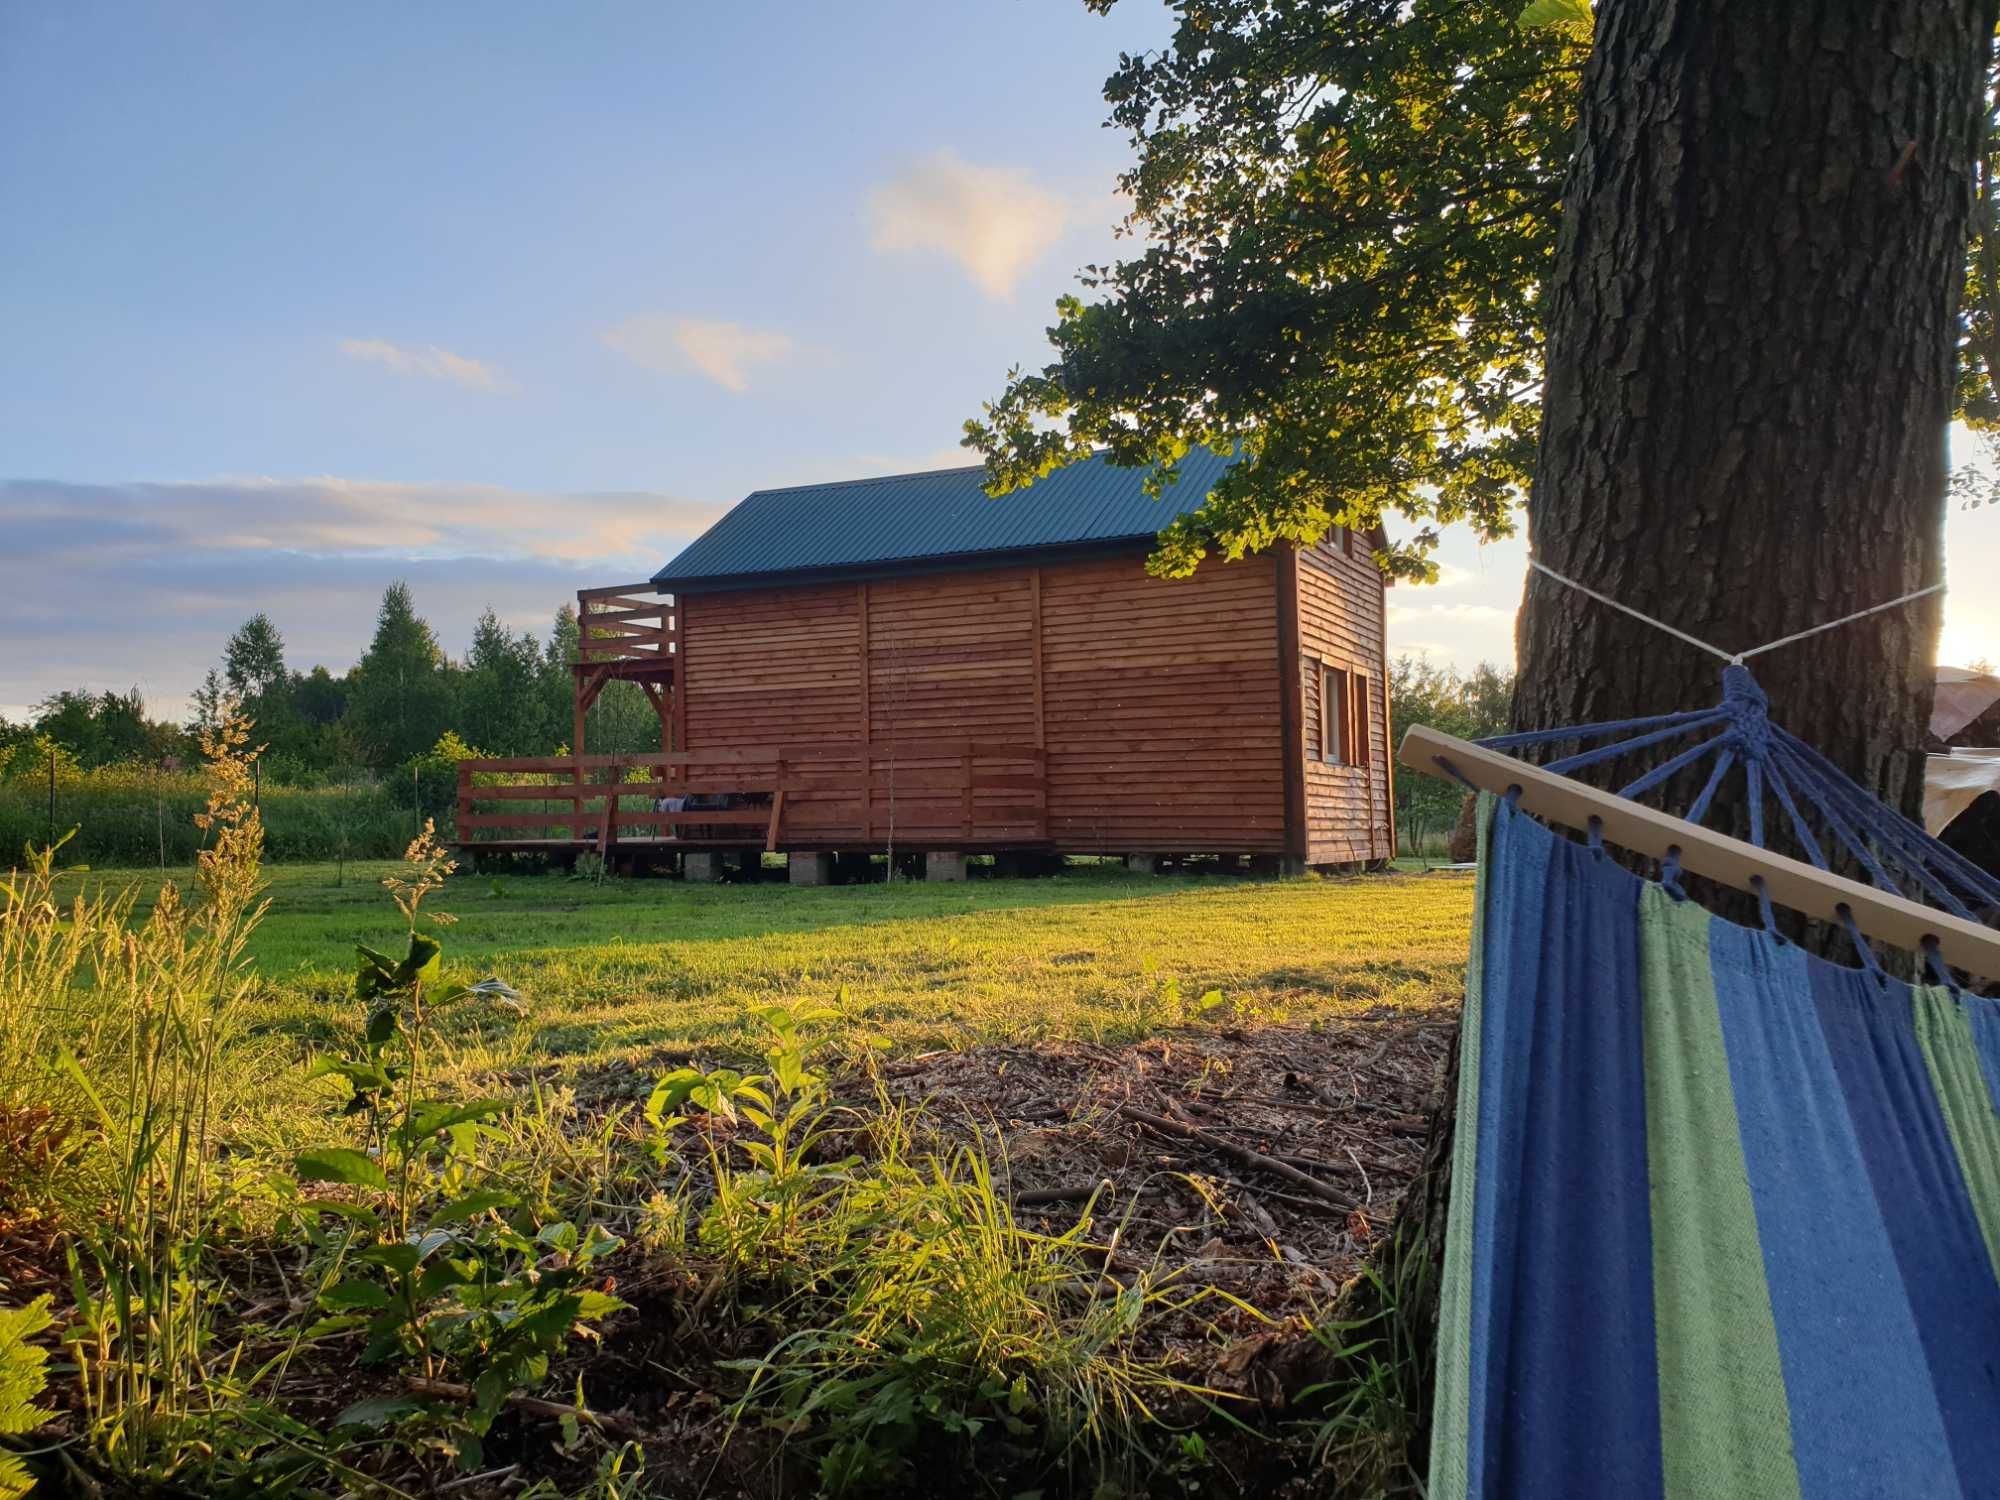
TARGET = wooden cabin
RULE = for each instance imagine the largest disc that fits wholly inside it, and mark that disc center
(908, 664)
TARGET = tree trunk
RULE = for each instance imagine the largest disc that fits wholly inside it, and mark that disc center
(1750, 361)
(1751, 354)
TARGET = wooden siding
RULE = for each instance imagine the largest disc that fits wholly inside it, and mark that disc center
(1157, 701)
(1342, 606)
(771, 667)
(952, 656)
(1162, 708)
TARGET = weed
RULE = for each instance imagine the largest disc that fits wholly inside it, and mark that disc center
(920, 1312)
(167, 995)
(1376, 1398)
(456, 1271)
(23, 1378)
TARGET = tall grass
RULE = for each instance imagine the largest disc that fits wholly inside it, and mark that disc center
(136, 816)
(116, 1031)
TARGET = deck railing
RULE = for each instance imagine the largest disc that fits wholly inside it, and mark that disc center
(623, 624)
(912, 794)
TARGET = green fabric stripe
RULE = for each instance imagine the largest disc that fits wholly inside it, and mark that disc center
(1725, 1427)
(1944, 1031)
(1452, 1414)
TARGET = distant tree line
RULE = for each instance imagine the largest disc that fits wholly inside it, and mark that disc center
(1470, 705)
(403, 701)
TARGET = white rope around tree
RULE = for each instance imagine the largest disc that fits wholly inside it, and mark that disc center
(1736, 658)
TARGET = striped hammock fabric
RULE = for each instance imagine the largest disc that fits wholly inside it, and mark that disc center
(1725, 1218)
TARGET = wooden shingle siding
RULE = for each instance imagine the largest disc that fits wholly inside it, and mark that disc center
(1341, 624)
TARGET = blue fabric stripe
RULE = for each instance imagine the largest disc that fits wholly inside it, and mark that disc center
(1846, 1337)
(1932, 1229)
(1563, 1227)
(1985, 1018)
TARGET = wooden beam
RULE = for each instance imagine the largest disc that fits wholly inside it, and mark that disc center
(1631, 825)
(680, 688)
(1035, 638)
(777, 815)
(1388, 760)
(1291, 695)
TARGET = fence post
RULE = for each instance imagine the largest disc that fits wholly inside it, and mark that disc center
(52, 795)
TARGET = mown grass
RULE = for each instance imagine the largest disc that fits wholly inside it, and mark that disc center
(628, 969)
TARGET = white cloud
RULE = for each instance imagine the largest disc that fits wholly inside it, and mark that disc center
(193, 560)
(724, 352)
(994, 221)
(428, 362)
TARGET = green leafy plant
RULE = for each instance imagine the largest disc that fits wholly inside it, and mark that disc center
(453, 1270)
(918, 1312)
(23, 1378)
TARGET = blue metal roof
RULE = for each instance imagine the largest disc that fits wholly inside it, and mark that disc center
(945, 515)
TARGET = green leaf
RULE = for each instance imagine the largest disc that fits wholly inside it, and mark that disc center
(1570, 13)
(594, 1305)
(431, 1117)
(339, 1323)
(352, 1294)
(378, 1411)
(340, 1164)
(366, 1217)
(421, 964)
(367, 1077)
(22, 1374)
(402, 1258)
(374, 973)
(473, 1204)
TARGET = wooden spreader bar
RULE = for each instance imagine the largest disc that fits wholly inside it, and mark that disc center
(1732, 862)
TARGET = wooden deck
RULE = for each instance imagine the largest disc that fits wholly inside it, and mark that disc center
(628, 634)
(914, 795)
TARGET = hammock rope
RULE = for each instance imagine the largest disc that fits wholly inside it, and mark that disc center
(1737, 738)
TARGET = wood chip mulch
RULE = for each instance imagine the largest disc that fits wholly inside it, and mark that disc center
(1255, 1164)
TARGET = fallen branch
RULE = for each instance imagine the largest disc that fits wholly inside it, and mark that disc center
(1081, 1192)
(451, 1390)
(1244, 1154)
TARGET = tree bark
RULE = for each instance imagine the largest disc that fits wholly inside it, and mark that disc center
(1752, 336)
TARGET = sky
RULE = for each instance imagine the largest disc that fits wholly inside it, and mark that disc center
(505, 299)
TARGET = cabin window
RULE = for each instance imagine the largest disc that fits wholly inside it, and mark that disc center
(1358, 743)
(1336, 710)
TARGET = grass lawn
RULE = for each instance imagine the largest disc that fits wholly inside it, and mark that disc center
(646, 968)
(1183, 1265)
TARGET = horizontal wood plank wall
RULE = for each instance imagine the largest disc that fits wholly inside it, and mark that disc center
(1160, 707)
(1341, 625)
(952, 656)
(772, 667)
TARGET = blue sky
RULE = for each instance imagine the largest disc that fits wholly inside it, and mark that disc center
(508, 298)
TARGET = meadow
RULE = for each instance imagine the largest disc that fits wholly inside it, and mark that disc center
(346, 1222)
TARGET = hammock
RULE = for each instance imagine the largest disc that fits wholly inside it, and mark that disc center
(1725, 1216)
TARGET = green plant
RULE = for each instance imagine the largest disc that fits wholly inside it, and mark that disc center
(168, 994)
(1376, 1399)
(23, 1378)
(456, 1271)
(919, 1312)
